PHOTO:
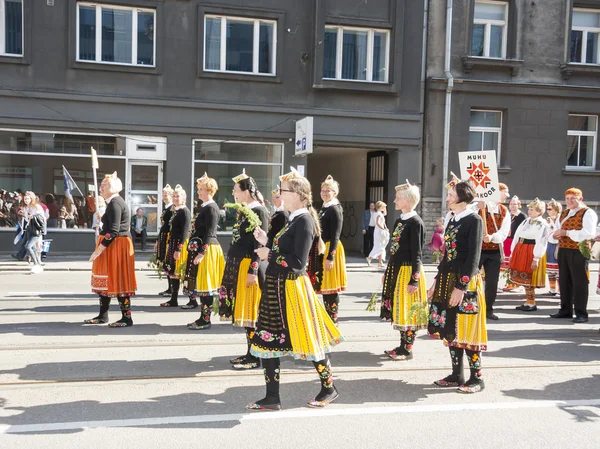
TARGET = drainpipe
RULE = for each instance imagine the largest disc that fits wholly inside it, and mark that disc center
(447, 112)
(423, 82)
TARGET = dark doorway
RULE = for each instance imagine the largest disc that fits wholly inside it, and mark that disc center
(377, 177)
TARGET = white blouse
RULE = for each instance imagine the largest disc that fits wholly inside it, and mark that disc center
(533, 229)
(553, 227)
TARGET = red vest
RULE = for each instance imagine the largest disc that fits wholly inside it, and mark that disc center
(574, 223)
(491, 228)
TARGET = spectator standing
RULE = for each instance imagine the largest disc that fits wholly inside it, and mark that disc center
(368, 229)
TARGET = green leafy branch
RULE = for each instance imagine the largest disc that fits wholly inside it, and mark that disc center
(253, 219)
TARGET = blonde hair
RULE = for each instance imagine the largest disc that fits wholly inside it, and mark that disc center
(333, 185)
(538, 206)
(181, 192)
(412, 195)
(380, 204)
(302, 188)
(168, 189)
(33, 196)
(556, 205)
(210, 183)
(114, 183)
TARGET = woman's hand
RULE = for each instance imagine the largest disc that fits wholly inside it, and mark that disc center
(250, 280)
(328, 265)
(97, 252)
(456, 297)
(411, 289)
(534, 264)
(260, 236)
(198, 259)
(176, 255)
(263, 252)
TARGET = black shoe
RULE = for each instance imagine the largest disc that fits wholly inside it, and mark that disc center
(561, 315)
(527, 308)
(166, 293)
(492, 316)
(580, 319)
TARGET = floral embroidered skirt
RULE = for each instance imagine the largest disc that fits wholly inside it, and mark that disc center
(113, 272)
(403, 314)
(551, 261)
(520, 267)
(467, 331)
(334, 280)
(174, 268)
(293, 321)
(205, 278)
(161, 246)
(236, 300)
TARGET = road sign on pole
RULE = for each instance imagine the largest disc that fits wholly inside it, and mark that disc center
(304, 136)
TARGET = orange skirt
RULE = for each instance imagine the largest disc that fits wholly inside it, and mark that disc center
(113, 272)
(520, 267)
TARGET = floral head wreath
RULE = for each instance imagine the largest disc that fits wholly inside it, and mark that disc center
(241, 176)
(453, 181)
(275, 191)
(203, 179)
(168, 189)
(291, 175)
(535, 203)
(406, 186)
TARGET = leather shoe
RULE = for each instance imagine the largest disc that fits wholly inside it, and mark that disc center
(580, 319)
(527, 308)
(561, 315)
(492, 316)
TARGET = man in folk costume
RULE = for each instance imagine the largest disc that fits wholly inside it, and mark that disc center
(496, 226)
(113, 267)
(577, 224)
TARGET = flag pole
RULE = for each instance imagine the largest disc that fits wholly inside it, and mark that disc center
(95, 167)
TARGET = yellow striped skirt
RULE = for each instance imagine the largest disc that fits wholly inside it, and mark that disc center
(471, 330)
(247, 299)
(210, 271)
(402, 317)
(334, 280)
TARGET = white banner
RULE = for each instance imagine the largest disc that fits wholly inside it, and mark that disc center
(480, 168)
(304, 136)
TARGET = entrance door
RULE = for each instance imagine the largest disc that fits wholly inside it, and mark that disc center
(144, 189)
(377, 177)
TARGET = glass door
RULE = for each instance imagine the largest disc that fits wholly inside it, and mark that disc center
(144, 189)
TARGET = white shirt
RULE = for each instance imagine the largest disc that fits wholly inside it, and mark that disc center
(552, 228)
(373, 219)
(588, 232)
(138, 223)
(333, 202)
(206, 203)
(253, 204)
(168, 206)
(111, 198)
(533, 229)
(464, 213)
(279, 209)
(408, 215)
(298, 212)
(501, 234)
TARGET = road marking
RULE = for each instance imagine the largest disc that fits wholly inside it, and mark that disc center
(300, 413)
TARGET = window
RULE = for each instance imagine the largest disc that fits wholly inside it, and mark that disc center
(11, 27)
(225, 160)
(485, 131)
(585, 32)
(239, 45)
(356, 54)
(489, 30)
(583, 132)
(116, 35)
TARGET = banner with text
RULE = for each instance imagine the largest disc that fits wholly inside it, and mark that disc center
(480, 168)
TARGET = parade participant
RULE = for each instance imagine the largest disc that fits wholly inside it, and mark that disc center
(554, 209)
(176, 254)
(577, 223)
(113, 267)
(368, 229)
(457, 311)
(239, 294)
(328, 271)
(381, 236)
(516, 218)
(528, 260)
(292, 320)
(496, 226)
(205, 263)
(279, 218)
(404, 279)
(160, 247)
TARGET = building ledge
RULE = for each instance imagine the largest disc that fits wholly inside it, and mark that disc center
(568, 69)
(356, 86)
(505, 169)
(471, 62)
(570, 171)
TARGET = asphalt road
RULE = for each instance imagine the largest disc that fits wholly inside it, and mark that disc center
(157, 384)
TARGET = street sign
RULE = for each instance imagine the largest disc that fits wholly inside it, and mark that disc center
(304, 136)
(480, 168)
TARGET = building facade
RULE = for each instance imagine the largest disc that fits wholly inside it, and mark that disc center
(168, 89)
(523, 80)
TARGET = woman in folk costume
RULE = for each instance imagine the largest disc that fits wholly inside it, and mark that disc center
(279, 217)
(160, 247)
(554, 209)
(516, 218)
(404, 283)
(328, 271)
(113, 262)
(176, 256)
(381, 236)
(458, 309)
(292, 320)
(239, 294)
(205, 262)
(528, 260)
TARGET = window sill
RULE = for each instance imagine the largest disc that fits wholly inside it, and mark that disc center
(471, 62)
(580, 172)
(240, 76)
(356, 86)
(567, 69)
(21, 60)
(122, 68)
(506, 169)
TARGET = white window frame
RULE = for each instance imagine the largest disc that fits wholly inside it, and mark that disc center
(580, 134)
(488, 30)
(585, 31)
(134, 38)
(3, 35)
(370, 50)
(255, 45)
(490, 130)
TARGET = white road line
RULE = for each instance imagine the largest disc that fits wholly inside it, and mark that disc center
(301, 413)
